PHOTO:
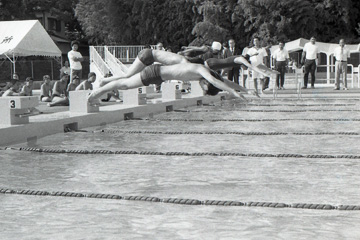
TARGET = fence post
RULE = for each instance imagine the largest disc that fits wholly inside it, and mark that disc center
(32, 69)
(52, 69)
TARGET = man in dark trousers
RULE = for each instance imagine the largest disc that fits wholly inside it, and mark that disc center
(232, 73)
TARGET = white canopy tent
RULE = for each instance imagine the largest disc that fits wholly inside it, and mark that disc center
(25, 38)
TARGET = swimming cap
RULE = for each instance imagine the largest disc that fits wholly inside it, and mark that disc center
(216, 46)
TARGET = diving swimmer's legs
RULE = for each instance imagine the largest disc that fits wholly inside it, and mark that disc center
(136, 67)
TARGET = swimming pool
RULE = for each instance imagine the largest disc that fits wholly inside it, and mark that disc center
(294, 129)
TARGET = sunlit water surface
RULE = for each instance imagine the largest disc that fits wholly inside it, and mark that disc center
(284, 180)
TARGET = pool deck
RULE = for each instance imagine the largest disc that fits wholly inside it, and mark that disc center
(54, 120)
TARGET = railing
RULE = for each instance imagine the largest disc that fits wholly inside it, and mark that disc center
(122, 53)
(98, 60)
(117, 67)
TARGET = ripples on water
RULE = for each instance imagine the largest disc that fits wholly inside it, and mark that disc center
(288, 180)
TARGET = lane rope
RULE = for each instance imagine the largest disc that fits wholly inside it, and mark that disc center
(273, 110)
(182, 201)
(250, 120)
(293, 105)
(115, 131)
(215, 154)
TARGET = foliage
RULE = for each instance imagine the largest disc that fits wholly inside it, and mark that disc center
(181, 22)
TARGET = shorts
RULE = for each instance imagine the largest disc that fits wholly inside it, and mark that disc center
(257, 75)
(146, 57)
(151, 75)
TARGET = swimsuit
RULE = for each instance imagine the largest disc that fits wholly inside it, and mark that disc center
(216, 64)
(146, 57)
(151, 75)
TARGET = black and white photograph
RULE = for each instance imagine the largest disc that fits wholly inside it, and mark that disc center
(180, 119)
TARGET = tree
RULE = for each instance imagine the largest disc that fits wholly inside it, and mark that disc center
(209, 29)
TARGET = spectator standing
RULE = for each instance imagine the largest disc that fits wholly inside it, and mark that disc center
(232, 73)
(75, 59)
(65, 69)
(341, 54)
(225, 46)
(257, 55)
(309, 58)
(281, 57)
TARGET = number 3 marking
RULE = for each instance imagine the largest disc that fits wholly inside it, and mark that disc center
(12, 104)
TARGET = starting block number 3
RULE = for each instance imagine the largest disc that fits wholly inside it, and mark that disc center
(12, 103)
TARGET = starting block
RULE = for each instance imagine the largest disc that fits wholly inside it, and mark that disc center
(196, 90)
(17, 109)
(171, 91)
(147, 89)
(134, 97)
(79, 103)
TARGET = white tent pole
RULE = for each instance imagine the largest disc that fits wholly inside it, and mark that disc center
(14, 61)
(328, 68)
(11, 60)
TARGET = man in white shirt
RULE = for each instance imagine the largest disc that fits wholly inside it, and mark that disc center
(281, 58)
(257, 55)
(309, 57)
(341, 55)
(75, 59)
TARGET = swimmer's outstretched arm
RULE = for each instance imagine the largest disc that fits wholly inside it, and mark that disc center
(242, 60)
(187, 49)
(239, 88)
(205, 73)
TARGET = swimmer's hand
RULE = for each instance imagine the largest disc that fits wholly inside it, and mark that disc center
(93, 96)
(238, 95)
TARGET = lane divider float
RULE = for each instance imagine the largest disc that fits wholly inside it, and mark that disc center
(181, 201)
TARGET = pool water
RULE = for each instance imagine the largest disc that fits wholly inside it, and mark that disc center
(288, 180)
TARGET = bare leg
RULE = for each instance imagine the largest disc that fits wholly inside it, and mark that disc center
(123, 84)
(136, 67)
(59, 101)
(45, 99)
(255, 85)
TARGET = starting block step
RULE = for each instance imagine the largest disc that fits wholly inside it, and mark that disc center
(134, 97)
(171, 91)
(16, 109)
(79, 103)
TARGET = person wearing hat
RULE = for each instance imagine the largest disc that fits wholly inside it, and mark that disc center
(75, 59)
